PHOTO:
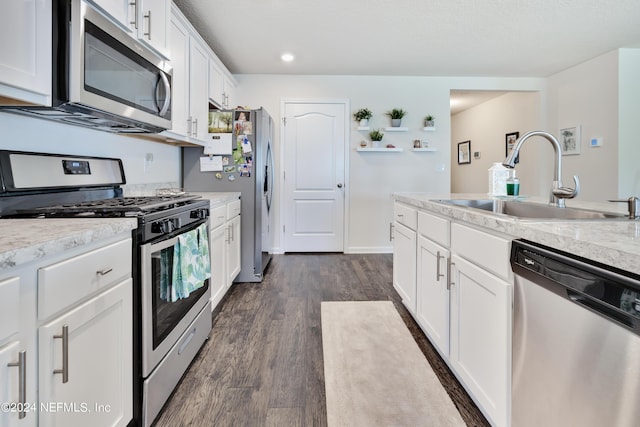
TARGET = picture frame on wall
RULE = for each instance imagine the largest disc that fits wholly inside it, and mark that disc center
(464, 152)
(570, 140)
(510, 142)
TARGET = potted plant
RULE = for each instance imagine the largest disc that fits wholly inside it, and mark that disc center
(363, 115)
(429, 121)
(376, 137)
(396, 116)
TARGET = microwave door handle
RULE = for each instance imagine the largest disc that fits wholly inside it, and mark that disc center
(167, 89)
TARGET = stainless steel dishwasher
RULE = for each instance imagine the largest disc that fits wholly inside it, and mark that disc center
(576, 341)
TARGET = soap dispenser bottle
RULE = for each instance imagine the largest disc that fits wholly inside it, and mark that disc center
(498, 175)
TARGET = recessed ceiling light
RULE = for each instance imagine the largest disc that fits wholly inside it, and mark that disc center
(287, 57)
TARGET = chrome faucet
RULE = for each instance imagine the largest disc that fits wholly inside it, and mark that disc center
(558, 191)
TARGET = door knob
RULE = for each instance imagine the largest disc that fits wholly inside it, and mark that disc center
(339, 185)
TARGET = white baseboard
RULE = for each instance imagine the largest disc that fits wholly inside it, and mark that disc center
(369, 250)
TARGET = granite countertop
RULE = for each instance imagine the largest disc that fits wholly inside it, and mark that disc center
(611, 242)
(218, 197)
(25, 240)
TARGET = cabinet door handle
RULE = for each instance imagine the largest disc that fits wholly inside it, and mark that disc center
(391, 231)
(189, 127)
(21, 364)
(194, 131)
(104, 271)
(65, 354)
(450, 264)
(148, 33)
(438, 275)
(135, 13)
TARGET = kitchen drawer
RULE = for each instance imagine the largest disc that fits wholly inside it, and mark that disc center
(218, 216)
(62, 284)
(484, 249)
(233, 209)
(434, 228)
(9, 307)
(405, 215)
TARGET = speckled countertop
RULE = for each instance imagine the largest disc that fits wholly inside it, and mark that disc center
(25, 240)
(611, 242)
(218, 197)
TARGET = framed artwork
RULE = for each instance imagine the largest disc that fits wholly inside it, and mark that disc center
(570, 140)
(464, 152)
(510, 142)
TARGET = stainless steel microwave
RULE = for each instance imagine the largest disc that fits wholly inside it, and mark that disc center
(103, 78)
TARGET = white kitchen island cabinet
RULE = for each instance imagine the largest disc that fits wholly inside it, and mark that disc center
(463, 288)
(404, 254)
(432, 277)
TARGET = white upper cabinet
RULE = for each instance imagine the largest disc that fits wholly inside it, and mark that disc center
(189, 59)
(146, 20)
(25, 51)
(221, 85)
(118, 10)
(216, 83)
(151, 23)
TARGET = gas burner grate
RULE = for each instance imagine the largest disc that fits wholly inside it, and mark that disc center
(119, 206)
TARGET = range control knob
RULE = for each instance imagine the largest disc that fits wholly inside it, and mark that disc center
(165, 226)
(200, 213)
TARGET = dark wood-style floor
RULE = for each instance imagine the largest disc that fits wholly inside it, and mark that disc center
(263, 365)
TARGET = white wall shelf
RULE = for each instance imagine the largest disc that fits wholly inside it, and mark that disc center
(379, 149)
(427, 149)
(429, 128)
(363, 127)
(396, 129)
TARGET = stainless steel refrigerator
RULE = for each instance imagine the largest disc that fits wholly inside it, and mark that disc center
(245, 136)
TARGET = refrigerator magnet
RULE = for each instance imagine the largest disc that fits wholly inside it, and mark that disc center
(246, 145)
(218, 175)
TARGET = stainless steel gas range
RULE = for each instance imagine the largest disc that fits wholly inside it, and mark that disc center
(172, 313)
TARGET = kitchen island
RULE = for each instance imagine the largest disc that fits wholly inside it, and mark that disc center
(452, 269)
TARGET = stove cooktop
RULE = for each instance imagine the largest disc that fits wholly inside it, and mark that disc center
(119, 206)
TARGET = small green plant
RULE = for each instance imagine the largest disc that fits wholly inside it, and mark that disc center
(396, 113)
(429, 118)
(376, 135)
(362, 114)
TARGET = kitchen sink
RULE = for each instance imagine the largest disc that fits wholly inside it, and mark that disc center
(528, 210)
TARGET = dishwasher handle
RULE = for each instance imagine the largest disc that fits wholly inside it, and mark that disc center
(603, 310)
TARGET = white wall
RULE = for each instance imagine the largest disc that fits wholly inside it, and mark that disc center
(374, 177)
(587, 95)
(28, 134)
(628, 123)
(486, 125)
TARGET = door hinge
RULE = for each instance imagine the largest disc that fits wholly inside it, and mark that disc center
(284, 121)
(284, 175)
(283, 229)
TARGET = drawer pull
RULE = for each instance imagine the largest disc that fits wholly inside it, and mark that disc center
(65, 354)
(21, 364)
(104, 271)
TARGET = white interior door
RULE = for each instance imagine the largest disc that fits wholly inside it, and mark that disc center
(314, 176)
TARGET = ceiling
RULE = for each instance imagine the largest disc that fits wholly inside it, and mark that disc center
(501, 38)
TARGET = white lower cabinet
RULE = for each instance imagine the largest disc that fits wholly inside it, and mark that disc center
(233, 250)
(66, 338)
(85, 363)
(404, 254)
(225, 248)
(464, 298)
(481, 337)
(404, 265)
(432, 278)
